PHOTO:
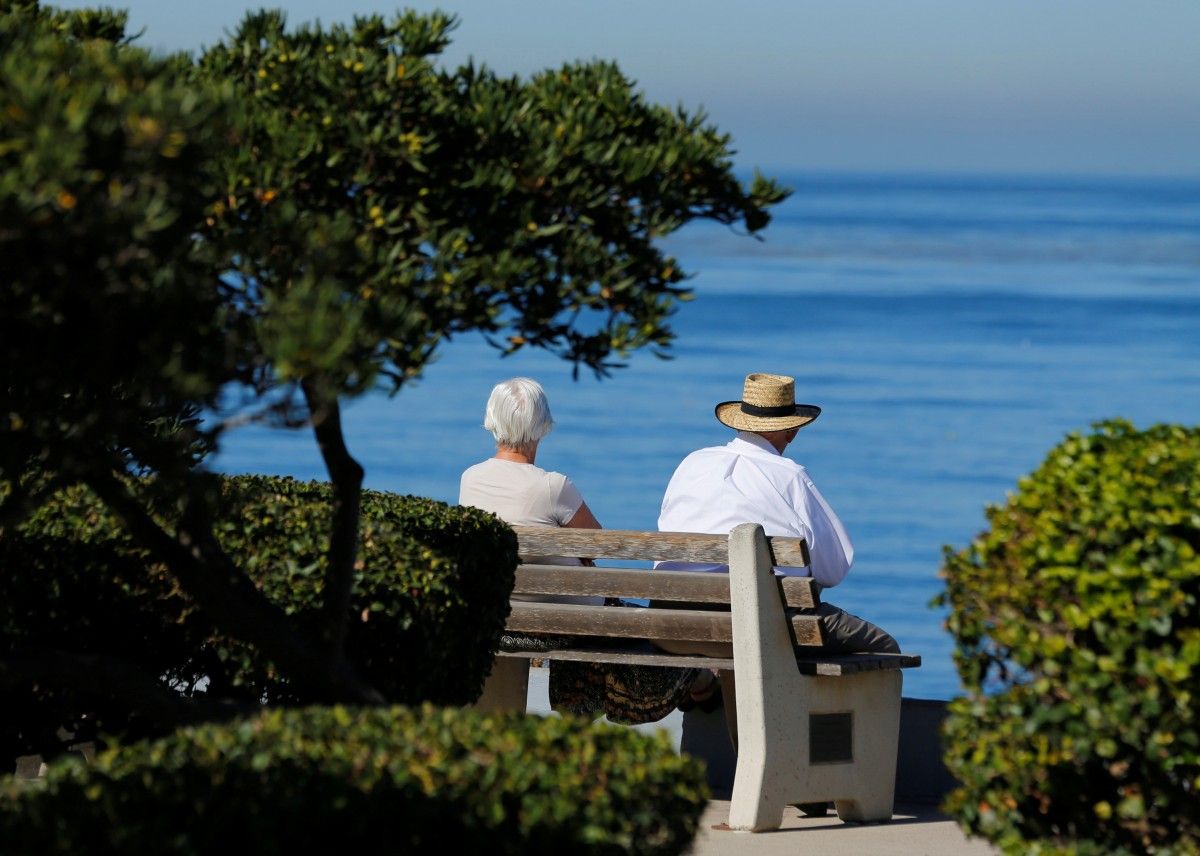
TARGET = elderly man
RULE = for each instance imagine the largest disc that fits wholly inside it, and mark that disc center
(749, 481)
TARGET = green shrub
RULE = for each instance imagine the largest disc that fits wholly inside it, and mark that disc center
(72, 585)
(391, 780)
(1078, 641)
(431, 597)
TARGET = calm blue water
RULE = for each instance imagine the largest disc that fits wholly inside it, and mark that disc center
(953, 330)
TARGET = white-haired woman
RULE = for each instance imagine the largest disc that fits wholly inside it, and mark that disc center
(510, 484)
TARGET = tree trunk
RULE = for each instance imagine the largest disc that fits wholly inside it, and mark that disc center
(231, 600)
(345, 475)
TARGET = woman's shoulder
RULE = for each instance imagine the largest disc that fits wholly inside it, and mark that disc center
(556, 481)
(480, 467)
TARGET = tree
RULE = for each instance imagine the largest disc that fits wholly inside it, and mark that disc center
(368, 205)
(116, 328)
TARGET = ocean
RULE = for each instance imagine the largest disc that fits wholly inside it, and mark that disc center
(952, 328)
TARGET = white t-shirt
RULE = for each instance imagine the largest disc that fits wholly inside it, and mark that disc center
(748, 481)
(520, 494)
(525, 495)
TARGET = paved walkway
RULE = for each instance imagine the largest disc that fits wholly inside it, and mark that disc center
(914, 831)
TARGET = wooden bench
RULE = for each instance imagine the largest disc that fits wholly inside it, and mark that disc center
(812, 727)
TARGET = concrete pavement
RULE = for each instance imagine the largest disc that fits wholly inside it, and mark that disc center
(915, 830)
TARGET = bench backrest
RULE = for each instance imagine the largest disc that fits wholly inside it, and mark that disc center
(648, 546)
(707, 595)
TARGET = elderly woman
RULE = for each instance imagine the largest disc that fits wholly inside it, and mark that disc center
(510, 485)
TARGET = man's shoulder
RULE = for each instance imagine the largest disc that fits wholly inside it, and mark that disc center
(708, 450)
(728, 451)
(704, 457)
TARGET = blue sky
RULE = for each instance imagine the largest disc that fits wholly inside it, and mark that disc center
(1106, 87)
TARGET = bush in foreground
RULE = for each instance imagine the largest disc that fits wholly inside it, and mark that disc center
(431, 596)
(366, 780)
(1077, 625)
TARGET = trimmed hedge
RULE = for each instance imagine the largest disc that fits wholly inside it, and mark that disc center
(430, 600)
(429, 608)
(370, 780)
(1077, 623)
(94, 598)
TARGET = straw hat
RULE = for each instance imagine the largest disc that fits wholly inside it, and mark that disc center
(768, 404)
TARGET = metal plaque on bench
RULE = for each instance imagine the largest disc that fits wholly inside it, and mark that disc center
(830, 738)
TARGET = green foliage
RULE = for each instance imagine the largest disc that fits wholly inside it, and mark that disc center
(293, 218)
(82, 24)
(378, 203)
(430, 591)
(1077, 623)
(344, 780)
(431, 597)
(110, 320)
(97, 596)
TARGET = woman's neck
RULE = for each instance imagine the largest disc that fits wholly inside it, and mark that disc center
(522, 455)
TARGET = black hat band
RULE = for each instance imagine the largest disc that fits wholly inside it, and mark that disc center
(768, 412)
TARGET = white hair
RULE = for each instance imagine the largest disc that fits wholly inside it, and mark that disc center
(518, 413)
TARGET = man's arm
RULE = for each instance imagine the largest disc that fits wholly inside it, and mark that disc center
(829, 547)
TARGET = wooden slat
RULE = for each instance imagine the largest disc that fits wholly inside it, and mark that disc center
(621, 622)
(647, 546)
(624, 657)
(696, 625)
(658, 585)
(828, 665)
(801, 592)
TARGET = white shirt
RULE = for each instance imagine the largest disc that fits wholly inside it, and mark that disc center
(520, 494)
(748, 481)
(525, 495)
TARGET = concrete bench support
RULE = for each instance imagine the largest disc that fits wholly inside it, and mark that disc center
(777, 708)
(506, 688)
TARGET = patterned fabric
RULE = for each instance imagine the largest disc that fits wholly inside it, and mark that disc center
(628, 694)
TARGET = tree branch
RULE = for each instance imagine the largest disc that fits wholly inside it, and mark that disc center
(230, 599)
(111, 677)
(346, 476)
